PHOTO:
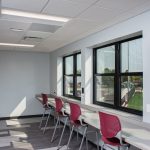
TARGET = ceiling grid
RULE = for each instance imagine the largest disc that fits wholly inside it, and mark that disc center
(86, 17)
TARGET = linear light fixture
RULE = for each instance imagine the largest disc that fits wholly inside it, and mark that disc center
(33, 15)
(16, 45)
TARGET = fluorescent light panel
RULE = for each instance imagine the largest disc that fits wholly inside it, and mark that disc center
(16, 45)
(33, 15)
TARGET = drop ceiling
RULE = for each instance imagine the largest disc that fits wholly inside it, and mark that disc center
(87, 17)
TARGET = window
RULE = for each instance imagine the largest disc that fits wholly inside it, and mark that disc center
(118, 75)
(72, 76)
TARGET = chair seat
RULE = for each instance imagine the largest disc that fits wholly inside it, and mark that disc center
(111, 141)
(47, 106)
(78, 123)
(61, 114)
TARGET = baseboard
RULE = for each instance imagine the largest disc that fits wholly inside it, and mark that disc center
(22, 117)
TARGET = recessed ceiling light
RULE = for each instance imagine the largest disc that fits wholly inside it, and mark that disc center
(16, 30)
(16, 45)
(33, 15)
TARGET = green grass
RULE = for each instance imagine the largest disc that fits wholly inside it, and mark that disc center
(136, 102)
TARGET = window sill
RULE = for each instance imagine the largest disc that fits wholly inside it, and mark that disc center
(124, 116)
(70, 99)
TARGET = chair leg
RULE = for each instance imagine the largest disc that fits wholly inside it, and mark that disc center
(77, 135)
(55, 129)
(87, 144)
(42, 118)
(97, 140)
(83, 138)
(62, 132)
(47, 121)
(70, 137)
(102, 146)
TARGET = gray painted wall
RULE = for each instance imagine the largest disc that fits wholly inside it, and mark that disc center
(22, 75)
(130, 26)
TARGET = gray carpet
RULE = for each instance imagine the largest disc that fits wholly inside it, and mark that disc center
(24, 134)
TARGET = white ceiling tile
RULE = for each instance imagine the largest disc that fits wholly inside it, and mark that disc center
(28, 49)
(120, 4)
(85, 1)
(26, 5)
(65, 8)
(88, 17)
(6, 48)
(38, 34)
(28, 42)
(99, 14)
(7, 24)
(69, 33)
(10, 36)
(75, 27)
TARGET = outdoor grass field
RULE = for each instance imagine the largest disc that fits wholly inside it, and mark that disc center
(136, 102)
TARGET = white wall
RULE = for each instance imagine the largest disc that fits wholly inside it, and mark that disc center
(22, 75)
(130, 26)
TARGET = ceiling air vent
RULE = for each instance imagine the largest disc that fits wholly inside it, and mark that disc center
(44, 27)
(32, 39)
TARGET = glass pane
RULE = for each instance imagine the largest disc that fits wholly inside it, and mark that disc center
(132, 92)
(105, 89)
(131, 56)
(79, 64)
(69, 65)
(78, 90)
(69, 85)
(106, 60)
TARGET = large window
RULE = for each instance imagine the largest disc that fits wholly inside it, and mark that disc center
(72, 76)
(118, 75)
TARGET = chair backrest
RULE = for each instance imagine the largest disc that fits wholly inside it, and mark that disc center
(109, 125)
(59, 104)
(44, 99)
(75, 112)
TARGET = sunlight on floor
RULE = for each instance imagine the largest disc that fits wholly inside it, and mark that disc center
(18, 134)
(20, 108)
(20, 145)
(54, 148)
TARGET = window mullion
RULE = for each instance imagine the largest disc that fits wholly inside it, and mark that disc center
(117, 76)
(74, 74)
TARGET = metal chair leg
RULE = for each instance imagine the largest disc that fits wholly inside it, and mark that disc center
(77, 135)
(102, 147)
(47, 121)
(87, 144)
(70, 137)
(62, 132)
(55, 129)
(42, 118)
(83, 138)
(97, 140)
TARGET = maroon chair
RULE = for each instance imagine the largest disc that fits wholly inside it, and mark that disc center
(47, 108)
(75, 113)
(60, 114)
(110, 128)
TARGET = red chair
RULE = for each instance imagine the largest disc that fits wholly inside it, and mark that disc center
(110, 128)
(60, 114)
(75, 112)
(47, 108)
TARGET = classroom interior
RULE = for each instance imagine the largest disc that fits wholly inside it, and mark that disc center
(93, 54)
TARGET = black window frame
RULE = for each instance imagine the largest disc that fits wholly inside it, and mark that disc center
(74, 75)
(117, 77)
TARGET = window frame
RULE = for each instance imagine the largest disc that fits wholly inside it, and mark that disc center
(117, 77)
(74, 75)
